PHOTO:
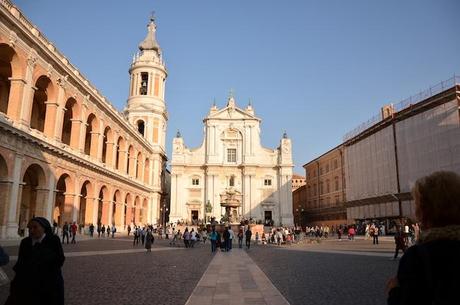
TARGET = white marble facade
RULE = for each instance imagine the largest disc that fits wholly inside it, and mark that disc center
(231, 160)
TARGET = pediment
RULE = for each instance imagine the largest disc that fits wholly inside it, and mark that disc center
(232, 113)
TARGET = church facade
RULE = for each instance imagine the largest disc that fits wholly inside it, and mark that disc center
(231, 176)
(66, 153)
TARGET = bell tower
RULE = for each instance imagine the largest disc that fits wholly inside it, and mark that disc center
(146, 108)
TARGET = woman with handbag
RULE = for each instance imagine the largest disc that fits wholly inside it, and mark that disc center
(38, 278)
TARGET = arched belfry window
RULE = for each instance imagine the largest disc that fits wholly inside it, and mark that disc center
(144, 83)
(141, 127)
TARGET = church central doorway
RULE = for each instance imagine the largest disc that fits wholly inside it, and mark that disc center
(268, 218)
(194, 216)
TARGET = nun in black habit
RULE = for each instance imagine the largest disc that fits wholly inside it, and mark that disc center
(38, 278)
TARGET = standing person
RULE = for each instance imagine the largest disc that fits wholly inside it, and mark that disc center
(205, 235)
(38, 278)
(135, 237)
(226, 237)
(91, 230)
(375, 235)
(55, 226)
(103, 230)
(399, 242)
(142, 234)
(351, 233)
(129, 229)
(108, 231)
(213, 238)
(428, 271)
(114, 230)
(248, 238)
(279, 237)
(192, 238)
(149, 239)
(230, 238)
(73, 230)
(186, 238)
(65, 232)
(240, 238)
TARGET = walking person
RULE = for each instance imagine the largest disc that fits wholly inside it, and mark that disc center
(108, 231)
(73, 231)
(65, 232)
(129, 229)
(240, 238)
(114, 230)
(399, 242)
(226, 237)
(213, 237)
(135, 237)
(142, 234)
(91, 230)
(205, 235)
(38, 279)
(428, 271)
(103, 230)
(230, 238)
(248, 238)
(186, 238)
(192, 238)
(149, 239)
(375, 234)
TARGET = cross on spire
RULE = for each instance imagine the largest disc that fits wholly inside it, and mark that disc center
(231, 93)
(152, 16)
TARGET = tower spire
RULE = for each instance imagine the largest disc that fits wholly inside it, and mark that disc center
(150, 42)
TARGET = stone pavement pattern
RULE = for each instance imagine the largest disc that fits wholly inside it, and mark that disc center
(305, 277)
(233, 278)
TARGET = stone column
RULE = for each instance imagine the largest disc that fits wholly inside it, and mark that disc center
(132, 166)
(90, 214)
(122, 161)
(75, 133)
(95, 135)
(105, 211)
(137, 214)
(69, 201)
(41, 202)
(22, 95)
(140, 170)
(18, 89)
(50, 118)
(5, 193)
(129, 215)
(119, 215)
(156, 176)
(110, 154)
(12, 220)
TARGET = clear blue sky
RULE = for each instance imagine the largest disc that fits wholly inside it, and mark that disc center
(316, 69)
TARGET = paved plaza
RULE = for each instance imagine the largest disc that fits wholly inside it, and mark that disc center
(112, 271)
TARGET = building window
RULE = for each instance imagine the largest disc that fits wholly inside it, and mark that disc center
(337, 199)
(267, 182)
(231, 155)
(336, 183)
(195, 181)
(314, 189)
(141, 127)
(336, 164)
(144, 83)
(231, 182)
(327, 168)
(321, 188)
(327, 186)
(320, 171)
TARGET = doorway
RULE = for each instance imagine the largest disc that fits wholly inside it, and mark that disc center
(268, 218)
(194, 216)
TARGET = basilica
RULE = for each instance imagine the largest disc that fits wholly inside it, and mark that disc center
(231, 177)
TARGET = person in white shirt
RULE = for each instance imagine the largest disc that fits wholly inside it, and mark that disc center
(232, 235)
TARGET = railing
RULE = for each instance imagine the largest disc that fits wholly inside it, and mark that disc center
(414, 99)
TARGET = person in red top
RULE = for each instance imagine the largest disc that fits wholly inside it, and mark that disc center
(73, 231)
(351, 233)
